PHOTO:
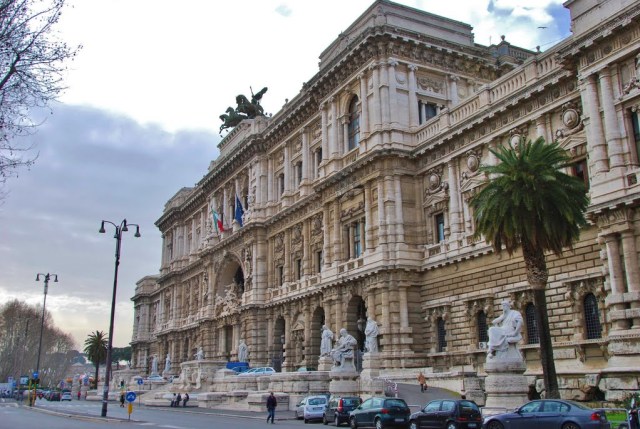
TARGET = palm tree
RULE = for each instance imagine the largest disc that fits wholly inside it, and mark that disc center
(95, 347)
(530, 203)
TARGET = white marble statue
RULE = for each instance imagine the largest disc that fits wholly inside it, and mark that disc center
(167, 363)
(371, 336)
(506, 329)
(243, 351)
(344, 348)
(327, 341)
(200, 354)
(154, 365)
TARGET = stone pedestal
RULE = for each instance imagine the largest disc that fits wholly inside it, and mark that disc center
(505, 385)
(344, 379)
(325, 363)
(369, 377)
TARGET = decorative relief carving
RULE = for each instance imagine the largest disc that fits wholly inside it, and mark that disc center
(612, 217)
(434, 180)
(430, 84)
(571, 117)
(316, 224)
(517, 134)
(352, 211)
(279, 248)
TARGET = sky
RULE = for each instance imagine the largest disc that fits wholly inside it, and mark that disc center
(139, 120)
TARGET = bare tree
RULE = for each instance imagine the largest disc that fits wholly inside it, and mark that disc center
(31, 65)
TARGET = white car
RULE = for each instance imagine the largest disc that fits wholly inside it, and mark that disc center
(155, 378)
(264, 370)
(66, 396)
(311, 407)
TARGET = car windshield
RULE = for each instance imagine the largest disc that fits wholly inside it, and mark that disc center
(317, 401)
(350, 402)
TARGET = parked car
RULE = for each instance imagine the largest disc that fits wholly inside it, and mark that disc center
(265, 370)
(381, 413)
(551, 414)
(66, 396)
(338, 409)
(447, 414)
(311, 407)
(155, 378)
(54, 396)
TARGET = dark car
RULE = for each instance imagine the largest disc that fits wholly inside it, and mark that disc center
(449, 414)
(550, 414)
(338, 409)
(54, 396)
(381, 413)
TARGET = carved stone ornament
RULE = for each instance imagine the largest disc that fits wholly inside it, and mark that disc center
(316, 224)
(434, 180)
(473, 160)
(571, 119)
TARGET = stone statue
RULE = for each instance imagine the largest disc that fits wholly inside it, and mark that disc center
(506, 329)
(154, 365)
(200, 354)
(167, 363)
(371, 336)
(326, 342)
(243, 351)
(344, 348)
(246, 109)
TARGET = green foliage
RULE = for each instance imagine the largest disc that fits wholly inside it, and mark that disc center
(95, 347)
(530, 199)
(119, 354)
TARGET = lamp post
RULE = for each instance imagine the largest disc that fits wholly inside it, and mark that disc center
(123, 227)
(47, 277)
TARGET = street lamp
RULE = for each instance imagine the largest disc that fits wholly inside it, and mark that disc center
(118, 236)
(47, 277)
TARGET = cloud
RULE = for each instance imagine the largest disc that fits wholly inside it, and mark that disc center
(283, 10)
(93, 165)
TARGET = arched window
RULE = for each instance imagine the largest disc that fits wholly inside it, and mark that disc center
(592, 317)
(481, 319)
(532, 325)
(442, 335)
(354, 124)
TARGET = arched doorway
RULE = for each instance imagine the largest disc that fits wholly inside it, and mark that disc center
(356, 322)
(313, 354)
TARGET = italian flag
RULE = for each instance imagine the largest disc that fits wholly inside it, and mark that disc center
(217, 221)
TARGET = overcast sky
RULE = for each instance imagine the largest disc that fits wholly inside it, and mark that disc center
(139, 120)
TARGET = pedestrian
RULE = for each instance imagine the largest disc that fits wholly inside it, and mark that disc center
(79, 393)
(423, 382)
(173, 400)
(178, 400)
(122, 399)
(272, 403)
(186, 399)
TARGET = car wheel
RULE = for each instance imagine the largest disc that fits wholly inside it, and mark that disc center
(451, 425)
(306, 421)
(413, 425)
(353, 423)
(336, 421)
(378, 423)
(324, 419)
(570, 425)
(494, 424)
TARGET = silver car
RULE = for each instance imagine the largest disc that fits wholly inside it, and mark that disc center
(550, 414)
(311, 407)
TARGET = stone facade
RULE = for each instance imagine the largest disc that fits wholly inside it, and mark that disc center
(356, 205)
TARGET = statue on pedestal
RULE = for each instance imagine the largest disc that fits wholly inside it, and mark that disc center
(344, 348)
(326, 341)
(167, 363)
(243, 351)
(371, 336)
(154, 365)
(200, 354)
(506, 329)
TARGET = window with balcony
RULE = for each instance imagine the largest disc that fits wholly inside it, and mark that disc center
(427, 111)
(353, 131)
(354, 235)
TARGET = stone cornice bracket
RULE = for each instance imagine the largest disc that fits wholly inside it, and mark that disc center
(392, 62)
(412, 67)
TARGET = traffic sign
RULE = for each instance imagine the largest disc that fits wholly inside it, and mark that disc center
(131, 396)
(140, 381)
(35, 374)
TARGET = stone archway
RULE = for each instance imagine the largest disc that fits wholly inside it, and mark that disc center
(229, 287)
(357, 319)
(313, 352)
(278, 343)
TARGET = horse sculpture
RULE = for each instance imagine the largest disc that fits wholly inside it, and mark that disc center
(246, 109)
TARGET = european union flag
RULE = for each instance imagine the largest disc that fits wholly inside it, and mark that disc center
(239, 211)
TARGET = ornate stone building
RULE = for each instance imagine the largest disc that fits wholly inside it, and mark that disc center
(356, 195)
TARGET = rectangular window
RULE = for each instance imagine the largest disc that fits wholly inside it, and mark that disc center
(281, 184)
(439, 220)
(579, 170)
(298, 269)
(318, 159)
(299, 173)
(319, 261)
(427, 111)
(635, 120)
(280, 274)
(357, 244)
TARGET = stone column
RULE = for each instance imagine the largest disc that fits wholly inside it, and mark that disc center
(376, 113)
(453, 89)
(631, 270)
(270, 191)
(368, 232)
(616, 282)
(413, 96)
(343, 145)
(364, 114)
(393, 92)
(454, 198)
(384, 95)
(389, 211)
(326, 245)
(386, 319)
(337, 251)
(593, 123)
(542, 127)
(404, 307)
(325, 134)
(306, 167)
(335, 129)
(382, 220)
(399, 211)
(612, 130)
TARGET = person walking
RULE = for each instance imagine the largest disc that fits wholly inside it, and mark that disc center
(272, 403)
(122, 399)
(186, 399)
(423, 382)
(178, 400)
